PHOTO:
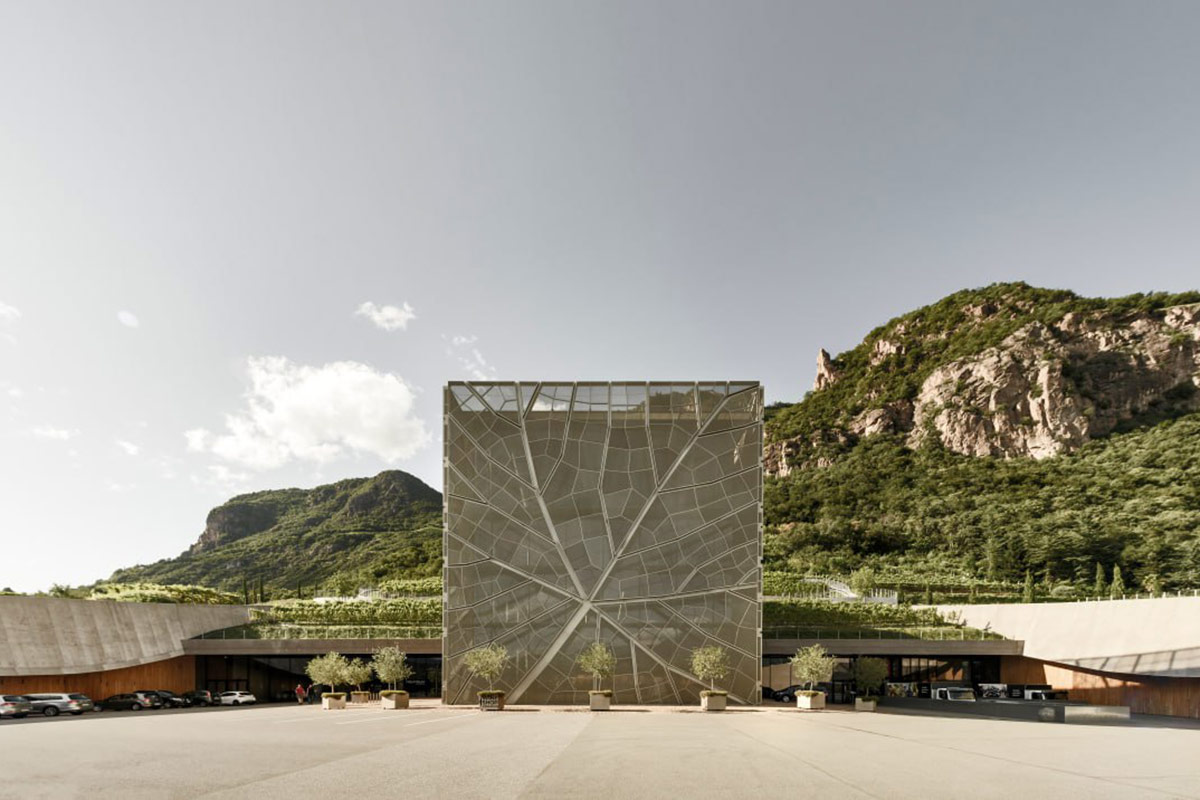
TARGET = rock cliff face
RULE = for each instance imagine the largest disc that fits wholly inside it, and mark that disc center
(1048, 390)
(1048, 387)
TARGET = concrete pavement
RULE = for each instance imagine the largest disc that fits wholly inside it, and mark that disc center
(433, 751)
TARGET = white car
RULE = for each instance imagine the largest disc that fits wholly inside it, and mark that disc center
(237, 699)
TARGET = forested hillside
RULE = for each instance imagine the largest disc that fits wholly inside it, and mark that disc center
(999, 432)
(341, 536)
(1008, 439)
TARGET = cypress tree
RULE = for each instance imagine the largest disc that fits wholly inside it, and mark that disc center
(1027, 595)
(1100, 587)
(1118, 583)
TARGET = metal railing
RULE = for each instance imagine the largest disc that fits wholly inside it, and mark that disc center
(319, 632)
(912, 632)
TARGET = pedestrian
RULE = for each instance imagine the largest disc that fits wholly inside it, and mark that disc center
(301, 695)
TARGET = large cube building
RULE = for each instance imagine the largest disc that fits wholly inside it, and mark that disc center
(623, 513)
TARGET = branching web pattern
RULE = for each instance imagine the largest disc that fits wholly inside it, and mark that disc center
(625, 513)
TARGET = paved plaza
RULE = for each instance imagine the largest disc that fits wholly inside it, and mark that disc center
(433, 751)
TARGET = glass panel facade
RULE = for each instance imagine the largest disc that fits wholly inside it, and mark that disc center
(624, 513)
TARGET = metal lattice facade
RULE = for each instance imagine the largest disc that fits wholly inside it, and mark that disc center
(625, 513)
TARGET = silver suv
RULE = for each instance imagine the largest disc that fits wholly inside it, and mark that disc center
(53, 704)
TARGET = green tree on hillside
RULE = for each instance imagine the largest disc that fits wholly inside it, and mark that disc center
(1027, 593)
(1100, 585)
(1117, 589)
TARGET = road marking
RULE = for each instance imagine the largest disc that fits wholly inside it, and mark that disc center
(442, 720)
(382, 717)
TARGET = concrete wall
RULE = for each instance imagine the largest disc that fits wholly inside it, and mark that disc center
(54, 636)
(1131, 637)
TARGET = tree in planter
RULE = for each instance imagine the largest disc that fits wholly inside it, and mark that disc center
(812, 665)
(488, 662)
(710, 664)
(597, 660)
(869, 674)
(329, 669)
(358, 672)
(391, 666)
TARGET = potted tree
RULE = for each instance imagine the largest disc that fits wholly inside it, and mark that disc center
(810, 666)
(391, 667)
(598, 661)
(488, 662)
(868, 675)
(358, 672)
(711, 664)
(329, 669)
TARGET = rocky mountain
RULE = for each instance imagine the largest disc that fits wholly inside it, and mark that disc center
(999, 432)
(999, 436)
(356, 531)
(1008, 371)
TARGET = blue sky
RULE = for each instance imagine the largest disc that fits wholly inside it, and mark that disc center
(242, 246)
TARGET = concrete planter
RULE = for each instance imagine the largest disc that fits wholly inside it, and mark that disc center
(491, 702)
(360, 697)
(394, 701)
(599, 702)
(332, 703)
(810, 702)
(861, 704)
(712, 702)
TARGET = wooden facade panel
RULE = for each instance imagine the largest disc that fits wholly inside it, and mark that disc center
(1174, 697)
(176, 674)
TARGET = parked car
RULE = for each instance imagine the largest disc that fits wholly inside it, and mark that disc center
(15, 705)
(149, 699)
(788, 695)
(237, 698)
(169, 699)
(52, 704)
(200, 697)
(769, 694)
(123, 702)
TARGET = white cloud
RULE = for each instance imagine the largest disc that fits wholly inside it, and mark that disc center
(8, 316)
(113, 486)
(129, 447)
(472, 362)
(390, 318)
(197, 439)
(128, 319)
(50, 432)
(296, 412)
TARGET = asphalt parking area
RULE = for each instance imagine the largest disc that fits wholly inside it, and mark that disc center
(288, 751)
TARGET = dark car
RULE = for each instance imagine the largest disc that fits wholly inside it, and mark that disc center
(169, 699)
(200, 697)
(769, 694)
(123, 702)
(15, 705)
(788, 695)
